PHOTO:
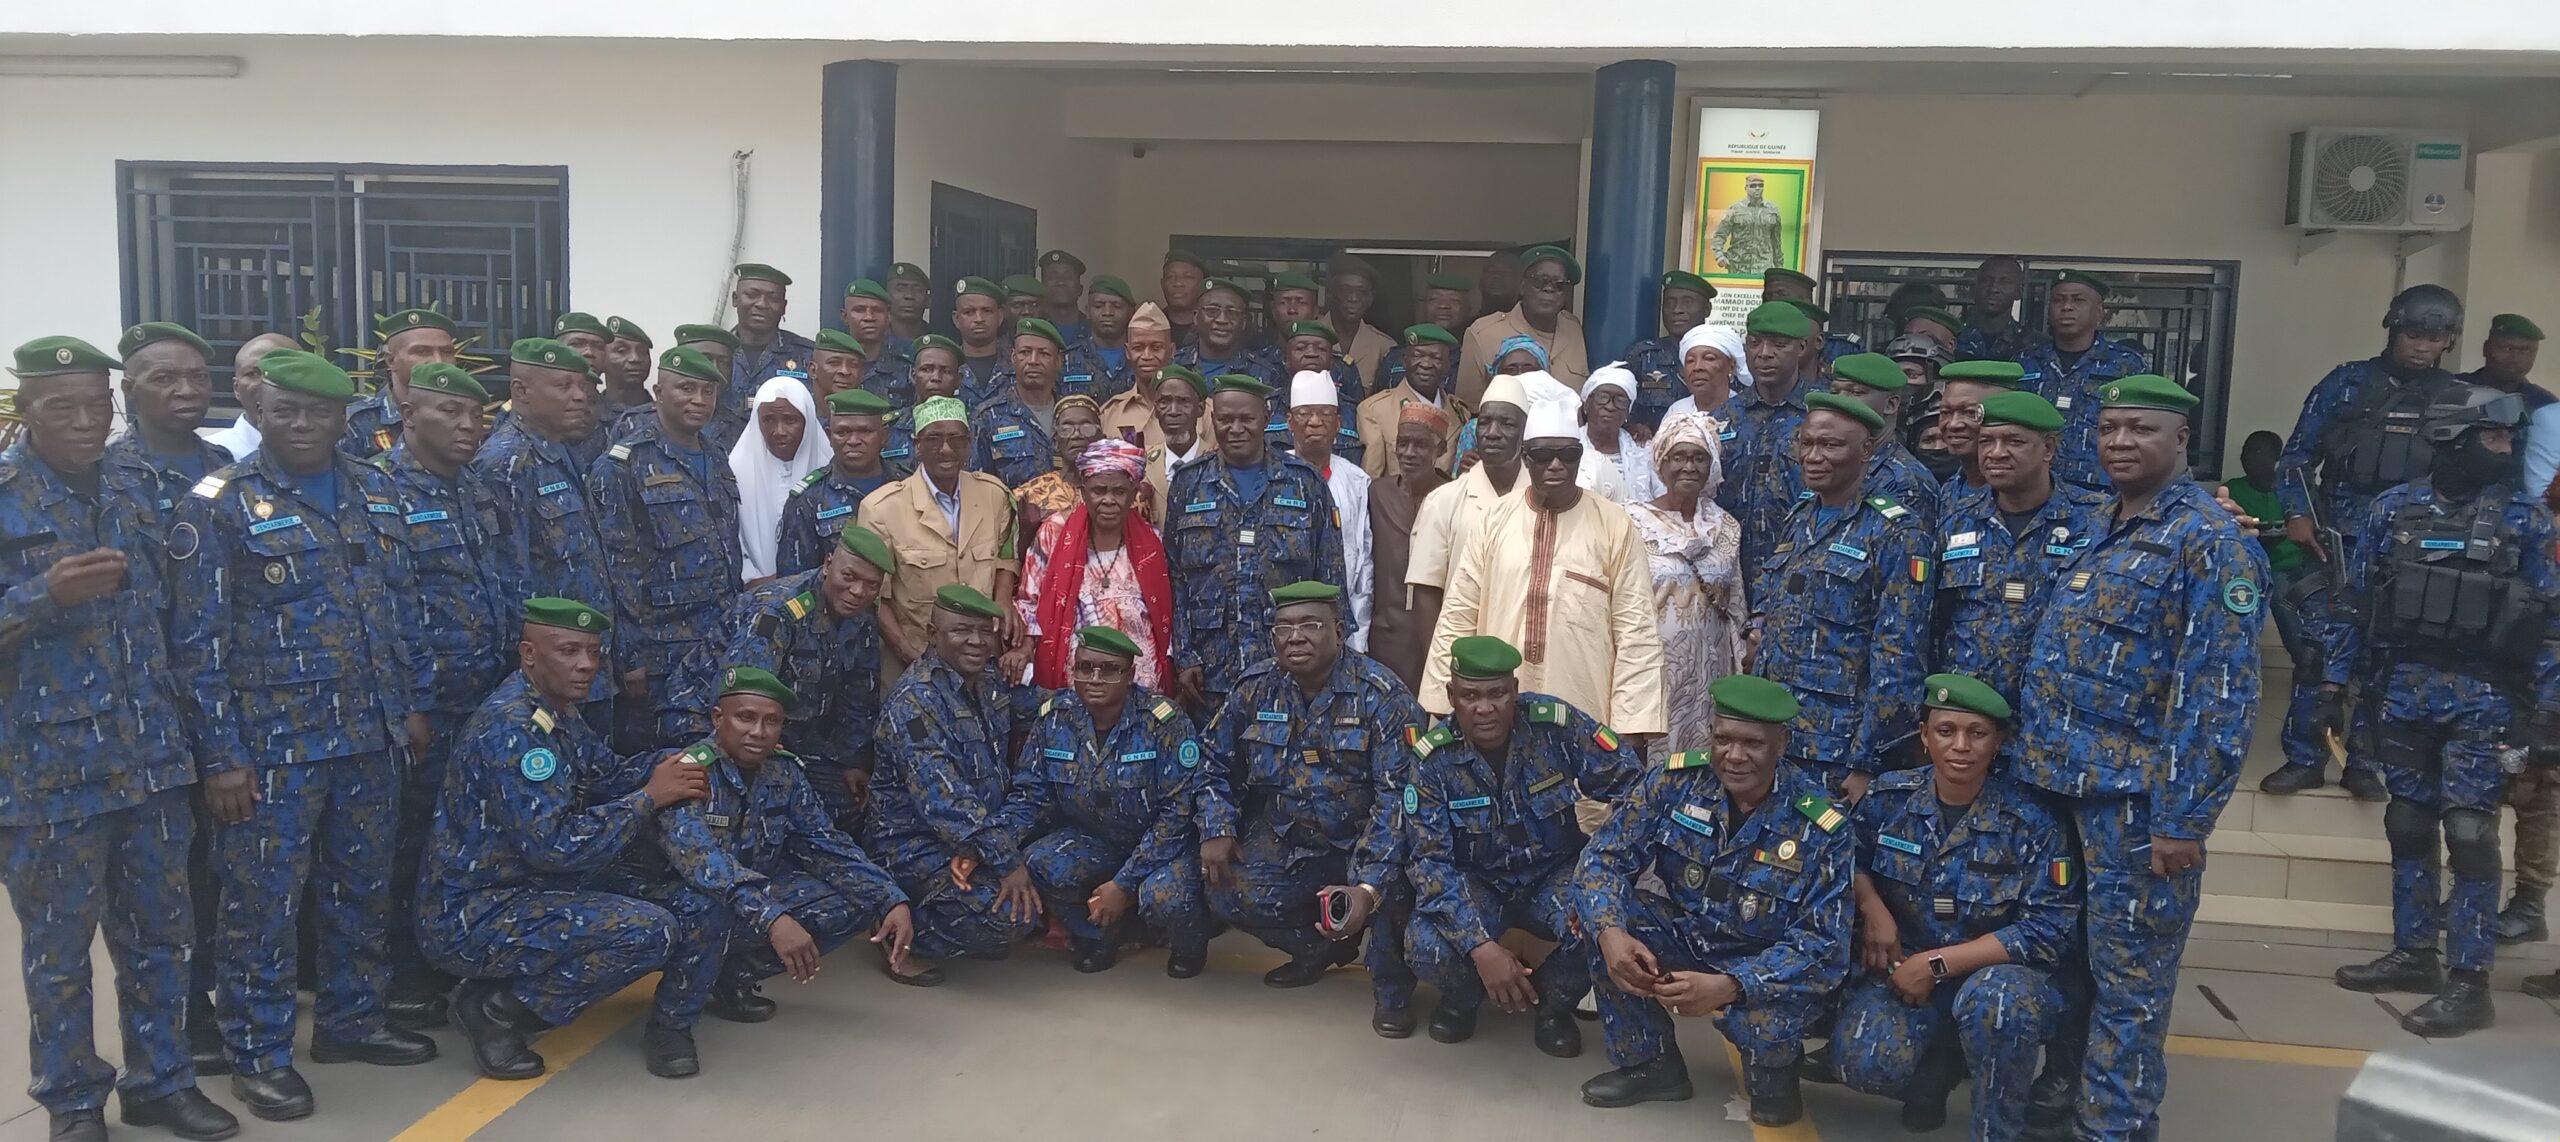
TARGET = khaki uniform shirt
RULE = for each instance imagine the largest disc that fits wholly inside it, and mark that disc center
(1573, 590)
(1567, 360)
(1382, 412)
(1367, 350)
(929, 556)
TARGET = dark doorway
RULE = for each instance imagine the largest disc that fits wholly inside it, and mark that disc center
(977, 236)
(1402, 268)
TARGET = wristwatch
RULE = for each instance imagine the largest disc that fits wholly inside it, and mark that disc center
(1376, 899)
(1937, 966)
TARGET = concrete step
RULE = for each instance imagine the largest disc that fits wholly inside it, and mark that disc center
(2326, 811)
(2305, 866)
(2320, 923)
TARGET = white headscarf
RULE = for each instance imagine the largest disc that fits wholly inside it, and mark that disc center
(764, 482)
(1724, 339)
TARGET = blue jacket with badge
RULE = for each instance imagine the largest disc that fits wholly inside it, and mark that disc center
(1843, 612)
(294, 625)
(373, 425)
(1324, 772)
(670, 533)
(944, 769)
(166, 483)
(1508, 827)
(96, 718)
(1131, 786)
(763, 844)
(1011, 446)
(1992, 584)
(533, 801)
(466, 626)
(546, 532)
(1656, 363)
(830, 661)
(2006, 868)
(1760, 477)
(818, 510)
(2073, 389)
(1228, 553)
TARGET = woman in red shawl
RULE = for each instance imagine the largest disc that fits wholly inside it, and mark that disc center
(1099, 564)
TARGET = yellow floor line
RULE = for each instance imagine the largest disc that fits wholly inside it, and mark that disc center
(1800, 1131)
(482, 1102)
(2199, 1047)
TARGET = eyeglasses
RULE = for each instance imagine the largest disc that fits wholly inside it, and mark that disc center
(1544, 282)
(1098, 671)
(1557, 454)
(1607, 398)
(1307, 627)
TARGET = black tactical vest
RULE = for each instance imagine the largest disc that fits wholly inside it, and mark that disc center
(2450, 591)
(2376, 443)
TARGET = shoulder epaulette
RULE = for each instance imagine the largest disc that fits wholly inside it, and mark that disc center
(619, 451)
(1819, 810)
(1426, 743)
(1165, 709)
(1047, 704)
(1689, 759)
(381, 460)
(801, 605)
(813, 479)
(1891, 508)
(209, 487)
(700, 753)
(542, 720)
(1550, 711)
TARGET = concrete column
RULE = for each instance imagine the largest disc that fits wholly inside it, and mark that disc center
(857, 170)
(1631, 137)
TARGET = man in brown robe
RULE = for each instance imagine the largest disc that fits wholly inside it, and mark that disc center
(1398, 637)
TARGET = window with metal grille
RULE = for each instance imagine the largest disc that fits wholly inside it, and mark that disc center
(2180, 314)
(314, 251)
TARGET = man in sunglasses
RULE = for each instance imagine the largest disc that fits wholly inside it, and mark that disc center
(1547, 277)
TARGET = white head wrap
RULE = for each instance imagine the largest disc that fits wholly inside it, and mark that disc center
(1693, 428)
(765, 482)
(1311, 387)
(1615, 374)
(1723, 339)
(1554, 410)
(1505, 389)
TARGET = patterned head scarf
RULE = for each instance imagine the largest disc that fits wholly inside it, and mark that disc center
(1517, 342)
(1424, 413)
(935, 410)
(1112, 455)
(1078, 400)
(1723, 339)
(1693, 428)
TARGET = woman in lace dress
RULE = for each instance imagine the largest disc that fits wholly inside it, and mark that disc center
(1696, 550)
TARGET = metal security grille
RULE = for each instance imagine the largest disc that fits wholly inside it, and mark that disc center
(233, 250)
(2180, 314)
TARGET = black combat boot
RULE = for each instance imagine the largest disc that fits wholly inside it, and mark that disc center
(2458, 1010)
(186, 1112)
(2521, 921)
(2400, 969)
(1776, 1098)
(1665, 1079)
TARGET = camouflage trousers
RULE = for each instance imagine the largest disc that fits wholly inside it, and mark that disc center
(952, 921)
(124, 871)
(327, 826)
(697, 946)
(831, 920)
(2114, 1032)
(1638, 1028)
(1070, 863)
(1999, 1016)
(1543, 908)
(1274, 898)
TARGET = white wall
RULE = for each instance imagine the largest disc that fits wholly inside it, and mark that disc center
(2514, 249)
(2133, 176)
(1000, 133)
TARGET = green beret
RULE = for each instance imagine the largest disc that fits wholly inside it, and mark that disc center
(1306, 591)
(1105, 283)
(1783, 274)
(936, 341)
(690, 363)
(1023, 285)
(569, 323)
(1214, 284)
(1812, 312)
(2514, 325)
(2146, 390)
(567, 614)
(54, 356)
(1454, 283)
(1482, 656)
(859, 401)
(1186, 258)
(1964, 692)
(1751, 698)
(2026, 410)
(836, 341)
(1040, 328)
(979, 286)
(402, 320)
(1536, 254)
(296, 371)
(758, 681)
(2085, 278)
(1239, 383)
(438, 377)
(2005, 374)
(1428, 331)
(154, 332)
(1933, 313)
(1683, 279)
(934, 410)
(760, 272)
(625, 329)
(865, 287)
(1778, 319)
(963, 599)
(1188, 375)
(691, 334)
(1061, 258)
(864, 542)
(543, 352)
(1874, 370)
(1850, 407)
(1292, 281)
(1314, 329)
(1106, 640)
(907, 272)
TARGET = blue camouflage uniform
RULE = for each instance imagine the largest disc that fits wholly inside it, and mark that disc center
(1228, 552)
(373, 425)
(95, 818)
(1977, 343)
(536, 809)
(1012, 443)
(980, 385)
(1764, 899)
(466, 643)
(545, 533)
(1842, 605)
(819, 508)
(2004, 869)
(1262, 362)
(671, 546)
(832, 665)
(165, 479)
(294, 623)
(2312, 456)
(1761, 481)
(890, 373)
(1992, 583)
(1090, 805)
(749, 369)
(1838, 345)
(2140, 687)
(1494, 844)
(1083, 372)
(1312, 789)
(1900, 476)
(1656, 363)
(2464, 705)
(942, 774)
(2073, 389)
(898, 441)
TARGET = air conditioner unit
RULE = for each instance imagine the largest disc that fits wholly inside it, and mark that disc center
(2379, 178)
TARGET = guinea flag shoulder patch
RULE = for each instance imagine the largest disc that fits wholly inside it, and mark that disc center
(1919, 569)
(2060, 872)
(1605, 738)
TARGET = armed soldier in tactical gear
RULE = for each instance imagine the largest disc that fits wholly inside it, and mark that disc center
(2358, 435)
(2455, 619)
